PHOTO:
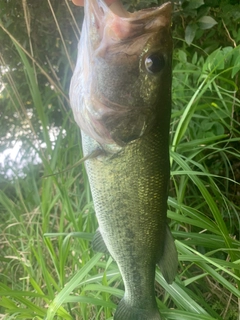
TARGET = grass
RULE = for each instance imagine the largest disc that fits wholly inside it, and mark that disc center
(47, 267)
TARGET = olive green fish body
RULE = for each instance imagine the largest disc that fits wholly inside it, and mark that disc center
(121, 99)
(129, 193)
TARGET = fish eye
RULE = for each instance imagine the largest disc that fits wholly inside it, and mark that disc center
(155, 62)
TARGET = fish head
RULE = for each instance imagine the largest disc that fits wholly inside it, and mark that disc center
(121, 86)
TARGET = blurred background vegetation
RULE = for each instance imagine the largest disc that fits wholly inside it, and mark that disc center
(47, 267)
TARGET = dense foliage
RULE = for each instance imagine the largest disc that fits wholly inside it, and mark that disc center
(47, 267)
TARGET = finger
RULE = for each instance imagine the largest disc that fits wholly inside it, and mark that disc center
(78, 2)
(81, 2)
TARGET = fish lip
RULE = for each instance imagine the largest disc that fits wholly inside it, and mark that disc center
(125, 26)
(100, 7)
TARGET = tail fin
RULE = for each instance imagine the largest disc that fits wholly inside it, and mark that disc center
(126, 312)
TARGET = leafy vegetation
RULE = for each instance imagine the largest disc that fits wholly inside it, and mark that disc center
(47, 267)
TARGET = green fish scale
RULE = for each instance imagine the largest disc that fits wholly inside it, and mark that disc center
(129, 191)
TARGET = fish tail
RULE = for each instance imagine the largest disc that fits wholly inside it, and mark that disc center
(125, 311)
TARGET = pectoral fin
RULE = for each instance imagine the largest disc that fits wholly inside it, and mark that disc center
(168, 262)
(94, 154)
(98, 243)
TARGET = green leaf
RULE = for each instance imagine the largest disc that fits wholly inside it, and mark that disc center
(190, 32)
(206, 22)
(172, 314)
(90, 300)
(194, 4)
(236, 57)
(215, 61)
(180, 296)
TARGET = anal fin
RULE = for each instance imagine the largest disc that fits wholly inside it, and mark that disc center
(98, 243)
(168, 263)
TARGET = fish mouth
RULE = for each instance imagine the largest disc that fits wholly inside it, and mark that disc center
(113, 25)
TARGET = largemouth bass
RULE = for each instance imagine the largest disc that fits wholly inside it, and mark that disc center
(121, 98)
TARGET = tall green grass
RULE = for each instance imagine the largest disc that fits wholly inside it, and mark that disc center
(47, 267)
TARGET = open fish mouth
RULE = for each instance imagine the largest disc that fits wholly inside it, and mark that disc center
(112, 90)
(113, 25)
